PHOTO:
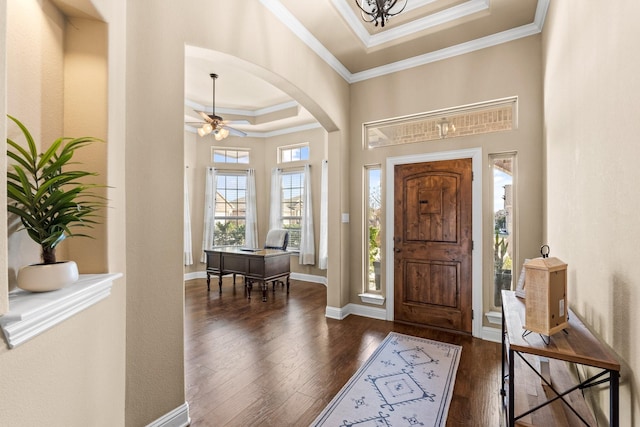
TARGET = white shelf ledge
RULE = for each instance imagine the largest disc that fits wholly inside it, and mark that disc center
(494, 317)
(372, 298)
(30, 313)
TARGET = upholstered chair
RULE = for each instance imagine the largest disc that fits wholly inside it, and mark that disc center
(277, 239)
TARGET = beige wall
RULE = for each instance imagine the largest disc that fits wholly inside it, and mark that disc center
(4, 279)
(156, 35)
(74, 373)
(591, 104)
(85, 113)
(34, 95)
(511, 69)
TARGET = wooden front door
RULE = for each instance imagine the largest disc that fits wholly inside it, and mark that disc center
(432, 244)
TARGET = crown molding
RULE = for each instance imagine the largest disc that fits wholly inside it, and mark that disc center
(372, 40)
(305, 36)
(449, 52)
(275, 7)
(239, 111)
(269, 134)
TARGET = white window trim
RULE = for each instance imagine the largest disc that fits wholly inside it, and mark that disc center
(31, 314)
(220, 147)
(290, 147)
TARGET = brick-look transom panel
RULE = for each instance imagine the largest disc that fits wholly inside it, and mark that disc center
(485, 117)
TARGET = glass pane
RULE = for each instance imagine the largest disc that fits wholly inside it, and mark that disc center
(219, 156)
(230, 209)
(229, 232)
(503, 238)
(285, 155)
(304, 153)
(373, 227)
(291, 208)
(222, 155)
(243, 157)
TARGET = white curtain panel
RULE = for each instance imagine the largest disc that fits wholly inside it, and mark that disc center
(251, 228)
(275, 217)
(307, 242)
(188, 253)
(209, 212)
(323, 255)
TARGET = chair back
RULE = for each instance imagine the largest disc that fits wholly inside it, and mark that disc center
(277, 239)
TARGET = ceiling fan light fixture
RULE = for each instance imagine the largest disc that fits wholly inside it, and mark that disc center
(214, 123)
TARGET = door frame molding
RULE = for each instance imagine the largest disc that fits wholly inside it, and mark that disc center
(475, 154)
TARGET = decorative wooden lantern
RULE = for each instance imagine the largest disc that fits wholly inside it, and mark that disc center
(546, 302)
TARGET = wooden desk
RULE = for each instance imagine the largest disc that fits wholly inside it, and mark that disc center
(577, 345)
(263, 266)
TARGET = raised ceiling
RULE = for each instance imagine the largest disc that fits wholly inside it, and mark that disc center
(426, 31)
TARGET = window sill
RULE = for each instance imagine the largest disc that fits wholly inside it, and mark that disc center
(372, 298)
(494, 317)
(30, 314)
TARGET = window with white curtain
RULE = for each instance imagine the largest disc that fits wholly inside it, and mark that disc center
(230, 208)
(292, 205)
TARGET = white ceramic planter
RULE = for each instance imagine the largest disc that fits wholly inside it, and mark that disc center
(47, 277)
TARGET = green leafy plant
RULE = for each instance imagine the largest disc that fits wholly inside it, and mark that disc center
(374, 244)
(499, 251)
(46, 195)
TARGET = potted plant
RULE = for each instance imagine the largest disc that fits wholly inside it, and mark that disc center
(51, 202)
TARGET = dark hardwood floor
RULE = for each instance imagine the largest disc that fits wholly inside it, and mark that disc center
(278, 363)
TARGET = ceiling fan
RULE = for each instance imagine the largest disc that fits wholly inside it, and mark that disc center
(214, 124)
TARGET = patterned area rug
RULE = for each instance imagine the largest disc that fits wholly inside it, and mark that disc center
(407, 381)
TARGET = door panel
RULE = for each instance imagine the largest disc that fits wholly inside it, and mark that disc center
(432, 244)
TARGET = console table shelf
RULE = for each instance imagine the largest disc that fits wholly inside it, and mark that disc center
(576, 344)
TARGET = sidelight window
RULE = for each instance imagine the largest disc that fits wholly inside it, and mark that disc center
(503, 239)
(372, 228)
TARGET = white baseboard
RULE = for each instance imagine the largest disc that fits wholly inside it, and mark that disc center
(335, 313)
(195, 275)
(309, 278)
(179, 417)
(358, 310)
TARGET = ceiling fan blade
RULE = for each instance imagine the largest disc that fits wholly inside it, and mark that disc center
(235, 132)
(237, 122)
(205, 116)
